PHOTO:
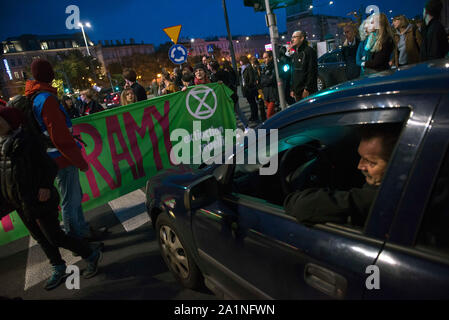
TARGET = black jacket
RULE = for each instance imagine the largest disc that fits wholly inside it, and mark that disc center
(304, 69)
(268, 83)
(93, 107)
(379, 61)
(139, 91)
(249, 80)
(434, 44)
(25, 167)
(323, 205)
(349, 56)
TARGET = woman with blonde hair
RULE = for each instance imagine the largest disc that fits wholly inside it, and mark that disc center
(408, 42)
(380, 43)
(90, 105)
(127, 97)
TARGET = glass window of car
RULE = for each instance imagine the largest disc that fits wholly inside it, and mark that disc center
(316, 156)
(434, 228)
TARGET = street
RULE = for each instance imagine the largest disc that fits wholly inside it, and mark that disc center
(132, 267)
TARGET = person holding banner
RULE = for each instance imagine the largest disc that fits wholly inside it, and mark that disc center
(26, 185)
(56, 127)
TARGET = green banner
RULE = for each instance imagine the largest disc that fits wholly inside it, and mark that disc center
(129, 144)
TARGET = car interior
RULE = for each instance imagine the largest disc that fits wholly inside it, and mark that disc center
(325, 157)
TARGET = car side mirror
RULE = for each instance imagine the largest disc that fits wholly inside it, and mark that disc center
(202, 192)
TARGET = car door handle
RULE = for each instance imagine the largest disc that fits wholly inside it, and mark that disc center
(325, 281)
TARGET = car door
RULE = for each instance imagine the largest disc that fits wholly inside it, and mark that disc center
(255, 250)
(414, 264)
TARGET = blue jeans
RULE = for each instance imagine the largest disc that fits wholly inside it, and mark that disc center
(71, 194)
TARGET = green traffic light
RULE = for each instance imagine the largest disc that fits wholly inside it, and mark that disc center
(286, 67)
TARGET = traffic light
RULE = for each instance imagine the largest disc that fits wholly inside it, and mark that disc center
(259, 5)
(283, 62)
(117, 88)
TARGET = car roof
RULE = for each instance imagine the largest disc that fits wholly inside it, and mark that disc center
(425, 77)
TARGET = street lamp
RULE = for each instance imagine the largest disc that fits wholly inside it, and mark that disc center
(84, 35)
(192, 40)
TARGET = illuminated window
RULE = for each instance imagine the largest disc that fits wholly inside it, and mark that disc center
(44, 45)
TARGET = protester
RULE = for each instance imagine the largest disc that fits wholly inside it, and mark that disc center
(435, 43)
(187, 81)
(218, 75)
(154, 88)
(349, 52)
(90, 104)
(305, 67)
(200, 74)
(268, 84)
(27, 177)
(130, 79)
(362, 54)
(249, 87)
(168, 85)
(56, 126)
(127, 97)
(69, 107)
(407, 40)
(380, 43)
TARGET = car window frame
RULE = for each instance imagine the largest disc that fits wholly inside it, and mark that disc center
(352, 117)
(406, 227)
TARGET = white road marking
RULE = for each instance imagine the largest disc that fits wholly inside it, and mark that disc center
(38, 267)
(130, 210)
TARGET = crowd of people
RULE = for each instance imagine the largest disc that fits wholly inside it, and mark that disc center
(377, 46)
(27, 185)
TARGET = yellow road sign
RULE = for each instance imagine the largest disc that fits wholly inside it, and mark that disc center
(173, 32)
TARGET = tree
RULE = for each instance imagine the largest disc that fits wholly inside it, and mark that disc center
(80, 71)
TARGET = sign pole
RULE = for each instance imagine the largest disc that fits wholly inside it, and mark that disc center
(274, 37)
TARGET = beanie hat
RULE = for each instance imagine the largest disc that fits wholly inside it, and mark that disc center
(42, 70)
(199, 66)
(13, 116)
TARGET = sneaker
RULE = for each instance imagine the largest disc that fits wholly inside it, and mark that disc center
(97, 234)
(92, 264)
(57, 277)
(94, 246)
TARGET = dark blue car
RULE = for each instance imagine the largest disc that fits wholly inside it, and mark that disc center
(225, 225)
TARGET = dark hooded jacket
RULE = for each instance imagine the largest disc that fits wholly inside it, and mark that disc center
(25, 167)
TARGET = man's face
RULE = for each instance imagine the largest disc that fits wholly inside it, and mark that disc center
(371, 163)
(349, 34)
(297, 39)
(4, 127)
(200, 74)
(266, 58)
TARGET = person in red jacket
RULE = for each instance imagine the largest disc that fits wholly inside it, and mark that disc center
(61, 147)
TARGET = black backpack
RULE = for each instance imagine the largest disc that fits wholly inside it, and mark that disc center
(31, 125)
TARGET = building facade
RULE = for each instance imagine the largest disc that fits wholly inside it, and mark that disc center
(109, 51)
(18, 53)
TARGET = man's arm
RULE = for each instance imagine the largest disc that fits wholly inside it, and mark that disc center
(60, 135)
(312, 71)
(324, 205)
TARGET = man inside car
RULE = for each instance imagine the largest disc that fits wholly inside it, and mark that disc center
(320, 205)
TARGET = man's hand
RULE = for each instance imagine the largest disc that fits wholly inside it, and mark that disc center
(43, 194)
(305, 93)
